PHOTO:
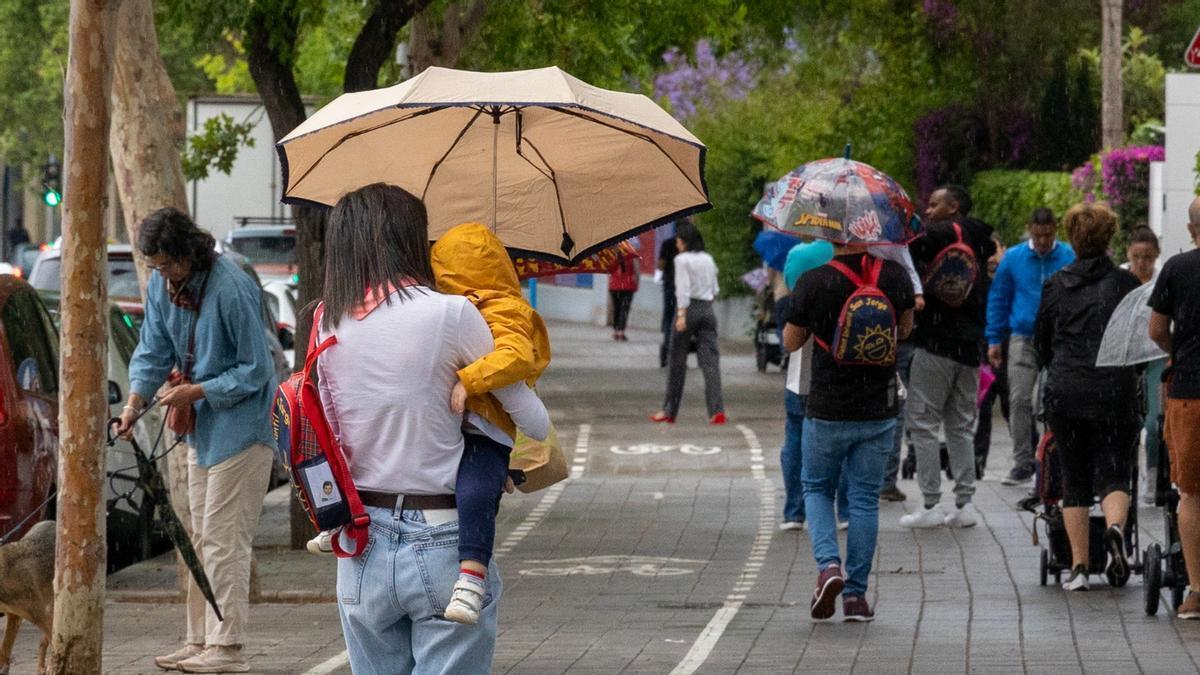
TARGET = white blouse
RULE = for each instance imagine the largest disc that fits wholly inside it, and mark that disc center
(695, 278)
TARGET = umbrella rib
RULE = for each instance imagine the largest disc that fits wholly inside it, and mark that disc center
(553, 176)
(635, 134)
(463, 132)
(355, 134)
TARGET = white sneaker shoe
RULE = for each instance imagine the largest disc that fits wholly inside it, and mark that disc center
(843, 525)
(924, 519)
(171, 661)
(216, 659)
(465, 602)
(964, 517)
(1078, 580)
(791, 525)
(321, 544)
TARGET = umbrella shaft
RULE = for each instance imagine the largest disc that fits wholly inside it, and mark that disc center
(495, 166)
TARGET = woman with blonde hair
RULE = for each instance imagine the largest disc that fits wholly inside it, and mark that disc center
(1091, 410)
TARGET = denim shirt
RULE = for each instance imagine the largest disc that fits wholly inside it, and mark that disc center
(233, 364)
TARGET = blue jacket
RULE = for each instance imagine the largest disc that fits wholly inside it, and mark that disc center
(1017, 289)
(233, 363)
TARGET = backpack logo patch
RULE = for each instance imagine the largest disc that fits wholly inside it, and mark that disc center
(952, 274)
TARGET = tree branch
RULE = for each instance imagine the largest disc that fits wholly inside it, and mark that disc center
(376, 40)
(272, 73)
(442, 45)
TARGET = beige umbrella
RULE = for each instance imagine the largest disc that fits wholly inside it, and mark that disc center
(559, 168)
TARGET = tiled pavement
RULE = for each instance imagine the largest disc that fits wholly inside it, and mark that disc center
(651, 550)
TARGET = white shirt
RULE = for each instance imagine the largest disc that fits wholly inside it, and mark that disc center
(386, 384)
(695, 278)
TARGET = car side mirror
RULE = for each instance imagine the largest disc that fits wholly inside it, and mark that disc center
(114, 393)
(287, 339)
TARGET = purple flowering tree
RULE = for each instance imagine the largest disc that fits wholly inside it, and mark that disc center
(1120, 177)
(703, 82)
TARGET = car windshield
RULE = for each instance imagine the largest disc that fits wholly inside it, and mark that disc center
(267, 249)
(122, 277)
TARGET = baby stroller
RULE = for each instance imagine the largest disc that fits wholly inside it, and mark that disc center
(1056, 555)
(768, 348)
(1164, 568)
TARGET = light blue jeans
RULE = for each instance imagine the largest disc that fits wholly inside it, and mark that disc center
(791, 461)
(863, 449)
(391, 600)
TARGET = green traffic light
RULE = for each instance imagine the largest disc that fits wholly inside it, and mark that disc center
(51, 198)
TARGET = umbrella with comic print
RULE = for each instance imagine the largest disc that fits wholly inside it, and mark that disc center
(841, 201)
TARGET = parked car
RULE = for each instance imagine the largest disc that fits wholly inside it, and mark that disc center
(270, 247)
(28, 407)
(280, 297)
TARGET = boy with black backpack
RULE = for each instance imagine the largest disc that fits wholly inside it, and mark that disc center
(855, 308)
(944, 382)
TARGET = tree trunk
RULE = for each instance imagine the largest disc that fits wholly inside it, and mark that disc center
(147, 130)
(442, 45)
(77, 636)
(1112, 107)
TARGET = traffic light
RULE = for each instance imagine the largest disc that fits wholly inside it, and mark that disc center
(52, 182)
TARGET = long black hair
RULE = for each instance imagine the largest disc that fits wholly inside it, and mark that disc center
(172, 233)
(692, 239)
(377, 235)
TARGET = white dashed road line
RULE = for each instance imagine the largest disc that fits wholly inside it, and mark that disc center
(712, 632)
(578, 464)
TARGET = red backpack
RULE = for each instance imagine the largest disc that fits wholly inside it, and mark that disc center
(952, 274)
(313, 456)
(866, 333)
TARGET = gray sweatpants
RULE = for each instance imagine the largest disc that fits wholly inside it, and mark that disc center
(941, 395)
(1022, 381)
(701, 324)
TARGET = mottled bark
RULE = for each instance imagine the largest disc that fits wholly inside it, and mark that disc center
(1112, 108)
(434, 44)
(77, 637)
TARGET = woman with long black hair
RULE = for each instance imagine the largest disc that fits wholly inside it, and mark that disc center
(695, 289)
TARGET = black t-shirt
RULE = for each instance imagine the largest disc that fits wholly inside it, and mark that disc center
(953, 332)
(846, 393)
(1177, 295)
(666, 255)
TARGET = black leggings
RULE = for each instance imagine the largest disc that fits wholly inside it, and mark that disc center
(481, 474)
(1097, 456)
(621, 300)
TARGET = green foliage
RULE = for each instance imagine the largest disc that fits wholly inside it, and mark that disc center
(1143, 79)
(216, 147)
(1006, 199)
(31, 77)
(229, 73)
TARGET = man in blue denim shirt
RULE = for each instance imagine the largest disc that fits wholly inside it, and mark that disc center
(203, 304)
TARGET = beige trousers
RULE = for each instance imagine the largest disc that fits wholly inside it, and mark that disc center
(226, 502)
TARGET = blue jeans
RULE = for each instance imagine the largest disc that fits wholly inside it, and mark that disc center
(790, 461)
(391, 600)
(858, 453)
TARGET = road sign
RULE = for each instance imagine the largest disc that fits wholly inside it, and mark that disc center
(1192, 56)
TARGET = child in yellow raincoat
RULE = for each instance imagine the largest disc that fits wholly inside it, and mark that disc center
(469, 260)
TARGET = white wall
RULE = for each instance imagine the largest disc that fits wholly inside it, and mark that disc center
(253, 187)
(1183, 142)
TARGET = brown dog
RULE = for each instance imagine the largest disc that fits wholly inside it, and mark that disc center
(27, 588)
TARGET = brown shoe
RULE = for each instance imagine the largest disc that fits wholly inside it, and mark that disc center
(829, 583)
(1190, 607)
(855, 608)
(892, 494)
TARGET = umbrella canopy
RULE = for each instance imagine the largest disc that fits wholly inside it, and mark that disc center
(841, 201)
(601, 262)
(559, 169)
(1126, 340)
(773, 246)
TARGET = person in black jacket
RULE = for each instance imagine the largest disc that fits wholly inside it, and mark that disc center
(1091, 411)
(944, 378)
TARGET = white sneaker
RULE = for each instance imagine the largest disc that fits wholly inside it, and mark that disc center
(791, 525)
(216, 659)
(843, 525)
(964, 517)
(1078, 580)
(171, 661)
(321, 544)
(923, 519)
(465, 602)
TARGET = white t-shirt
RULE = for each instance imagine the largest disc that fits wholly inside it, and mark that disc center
(386, 384)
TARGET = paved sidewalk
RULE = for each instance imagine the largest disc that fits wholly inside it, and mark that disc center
(661, 555)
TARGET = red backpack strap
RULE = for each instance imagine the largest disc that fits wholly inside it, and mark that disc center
(958, 232)
(849, 273)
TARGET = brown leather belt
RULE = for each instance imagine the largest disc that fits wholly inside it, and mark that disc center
(392, 500)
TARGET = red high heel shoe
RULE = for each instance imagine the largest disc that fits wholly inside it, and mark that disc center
(662, 417)
(719, 418)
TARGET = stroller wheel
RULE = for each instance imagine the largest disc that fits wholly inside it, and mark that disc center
(1045, 572)
(1152, 579)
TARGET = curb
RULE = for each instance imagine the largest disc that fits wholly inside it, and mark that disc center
(288, 597)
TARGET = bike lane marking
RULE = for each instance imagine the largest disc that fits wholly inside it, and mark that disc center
(716, 626)
(579, 463)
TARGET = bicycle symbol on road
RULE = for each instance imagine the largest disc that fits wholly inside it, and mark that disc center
(656, 449)
(642, 566)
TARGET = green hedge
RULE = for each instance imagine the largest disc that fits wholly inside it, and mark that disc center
(1006, 199)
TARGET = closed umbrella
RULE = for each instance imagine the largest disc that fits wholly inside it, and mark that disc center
(1126, 340)
(558, 168)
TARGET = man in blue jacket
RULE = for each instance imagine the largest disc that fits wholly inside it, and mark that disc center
(1012, 310)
